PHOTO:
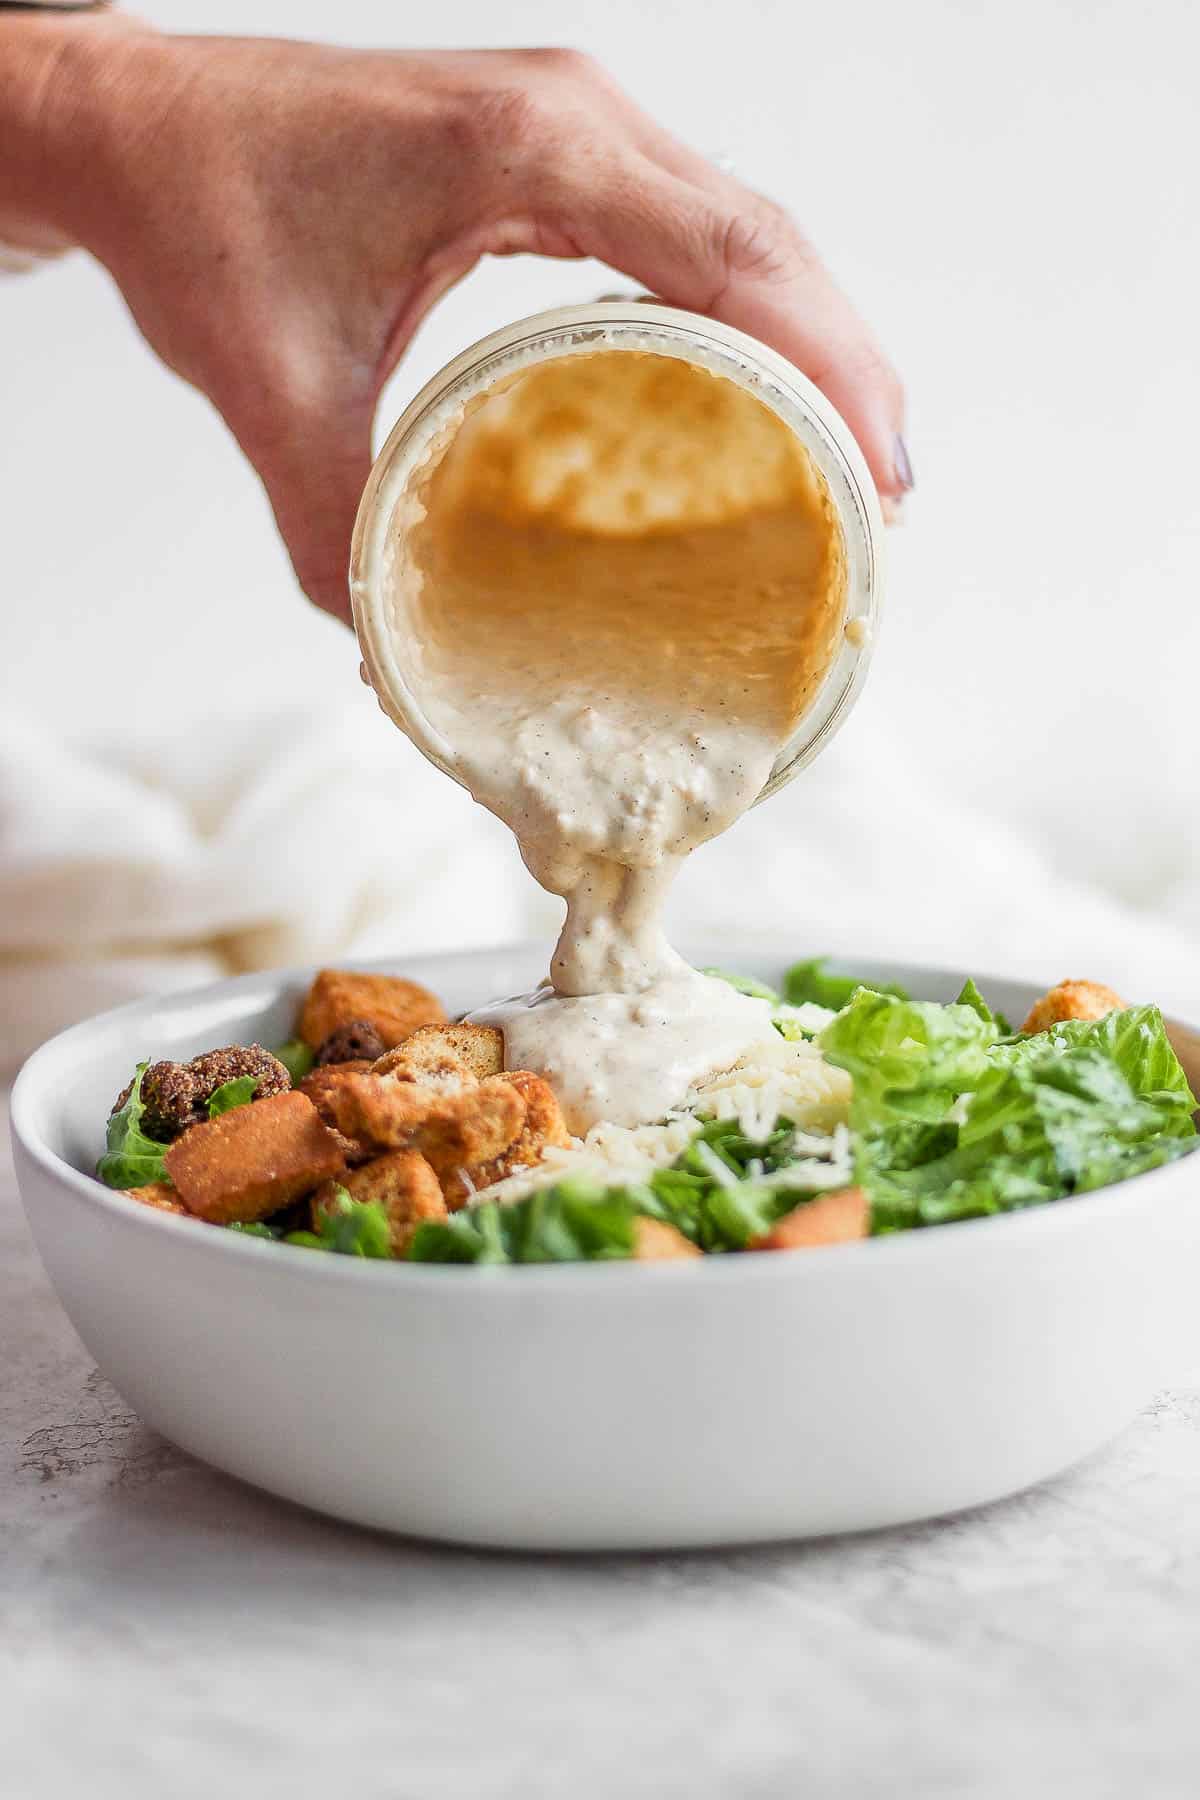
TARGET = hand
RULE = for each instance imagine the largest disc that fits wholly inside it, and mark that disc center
(281, 216)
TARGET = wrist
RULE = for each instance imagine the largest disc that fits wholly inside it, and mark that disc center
(61, 86)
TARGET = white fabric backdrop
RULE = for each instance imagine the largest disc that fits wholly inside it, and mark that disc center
(191, 777)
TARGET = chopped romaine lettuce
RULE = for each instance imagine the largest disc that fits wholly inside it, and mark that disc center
(809, 981)
(909, 1059)
(131, 1159)
(296, 1058)
(971, 996)
(802, 1022)
(348, 1227)
(1135, 1040)
(573, 1221)
(1069, 1110)
(238, 1092)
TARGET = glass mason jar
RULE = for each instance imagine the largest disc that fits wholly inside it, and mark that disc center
(391, 506)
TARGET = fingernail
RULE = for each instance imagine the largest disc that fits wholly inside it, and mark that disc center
(901, 465)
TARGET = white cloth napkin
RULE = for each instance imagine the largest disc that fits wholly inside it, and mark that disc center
(137, 866)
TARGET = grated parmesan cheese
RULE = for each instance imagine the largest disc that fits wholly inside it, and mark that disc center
(778, 1078)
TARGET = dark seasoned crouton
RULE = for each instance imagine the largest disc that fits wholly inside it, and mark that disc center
(176, 1095)
(393, 1007)
(830, 1219)
(357, 1041)
(402, 1182)
(248, 1163)
(1072, 1000)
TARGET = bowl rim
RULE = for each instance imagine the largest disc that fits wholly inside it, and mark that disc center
(1059, 1215)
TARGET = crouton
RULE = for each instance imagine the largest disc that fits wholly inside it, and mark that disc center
(439, 1069)
(454, 1127)
(176, 1095)
(830, 1219)
(444, 1050)
(356, 1041)
(656, 1241)
(248, 1163)
(543, 1125)
(393, 1007)
(321, 1086)
(1072, 1000)
(473, 1126)
(402, 1182)
(160, 1195)
(373, 1110)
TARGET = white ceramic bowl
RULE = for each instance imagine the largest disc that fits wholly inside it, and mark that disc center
(623, 1406)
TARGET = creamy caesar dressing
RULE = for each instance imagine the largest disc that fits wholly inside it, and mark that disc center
(622, 584)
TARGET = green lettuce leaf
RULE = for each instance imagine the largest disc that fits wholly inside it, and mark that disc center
(296, 1058)
(809, 981)
(909, 1059)
(256, 1228)
(349, 1227)
(1135, 1041)
(238, 1092)
(1064, 1112)
(711, 1212)
(573, 1221)
(971, 996)
(131, 1158)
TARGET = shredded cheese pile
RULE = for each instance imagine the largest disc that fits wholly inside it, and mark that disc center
(778, 1078)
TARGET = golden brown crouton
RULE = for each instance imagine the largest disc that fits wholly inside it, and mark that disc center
(453, 1126)
(830, 1219)
(321, 1087)
(473, 1126)
(405, 1185)
(395, 1008)
(1072, 1000)
(373, 1110)
(161, 1196)
(445, 1050)
(441, 1070)
(543, 1125)
(656, 1241)
(249, 1162)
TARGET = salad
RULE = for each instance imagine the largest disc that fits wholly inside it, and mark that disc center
(383, 1130)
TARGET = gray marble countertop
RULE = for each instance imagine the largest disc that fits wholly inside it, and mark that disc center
(169, 1633)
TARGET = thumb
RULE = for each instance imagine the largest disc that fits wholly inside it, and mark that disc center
(314, 469)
